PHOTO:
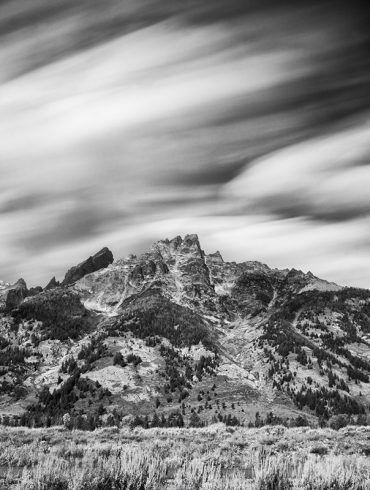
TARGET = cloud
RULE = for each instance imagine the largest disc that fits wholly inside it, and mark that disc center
(125, 122)
(318, 178)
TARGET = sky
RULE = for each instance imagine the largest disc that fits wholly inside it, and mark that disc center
(246, 122)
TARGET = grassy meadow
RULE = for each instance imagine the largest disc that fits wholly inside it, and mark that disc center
(212, 458)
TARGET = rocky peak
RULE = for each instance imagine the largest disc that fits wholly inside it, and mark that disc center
(175, 242)
(182, 272)
(254, 265)
(177, 267)
(295, 275)
(53, 283)
(94, 263)
(21, 283)
(215, 258)
(14, 294)
(149, 265)
(191, 244)
(178, 249)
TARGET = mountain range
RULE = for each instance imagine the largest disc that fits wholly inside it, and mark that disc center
(178, 336)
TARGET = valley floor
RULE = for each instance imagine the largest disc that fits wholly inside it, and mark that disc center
(212, 458)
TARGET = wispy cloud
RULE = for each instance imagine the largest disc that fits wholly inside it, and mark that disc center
(126, 124)
(322, 178)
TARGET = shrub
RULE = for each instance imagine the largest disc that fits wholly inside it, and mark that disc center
(135, 360)
(67, 421)
(338, 421)
(274, 478)
(119, 360)
(319, 449)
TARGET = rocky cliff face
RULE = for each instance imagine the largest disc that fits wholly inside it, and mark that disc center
(94, 263)
(178, 329)
(177, 267)
(53, 283)
(13, 295)
(181, 270)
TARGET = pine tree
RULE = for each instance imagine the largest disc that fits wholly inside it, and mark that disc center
(195, 420)
(155, 421)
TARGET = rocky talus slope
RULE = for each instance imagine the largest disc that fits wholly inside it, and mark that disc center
(180, 334)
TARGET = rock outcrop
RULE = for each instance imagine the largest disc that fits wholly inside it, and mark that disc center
(13, 295)
(53, 283)
(176, 267)
(215, 258)
(181, 271)
(35, 290)
(94, 263)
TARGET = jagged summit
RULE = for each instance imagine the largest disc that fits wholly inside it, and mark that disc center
(53, 283)
(177, 267)
(215, 258)
(183, 272)
(170, 248)
(94, 263)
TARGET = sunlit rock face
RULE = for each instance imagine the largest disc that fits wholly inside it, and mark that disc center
(12, 295)
(176, 267)
(181, 271)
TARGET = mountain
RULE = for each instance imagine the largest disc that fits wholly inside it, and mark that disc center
(183, 335)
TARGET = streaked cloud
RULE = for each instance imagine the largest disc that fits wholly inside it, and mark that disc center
(321, 178)
(125, 124)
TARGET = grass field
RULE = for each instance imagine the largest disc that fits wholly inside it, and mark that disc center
(212, 458)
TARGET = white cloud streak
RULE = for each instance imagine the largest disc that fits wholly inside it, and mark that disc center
(137, 138)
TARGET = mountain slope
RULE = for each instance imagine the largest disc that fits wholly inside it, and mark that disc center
(176, 331)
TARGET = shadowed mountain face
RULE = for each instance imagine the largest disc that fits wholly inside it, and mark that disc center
(98, 261)
(176, 330)
(126, 121)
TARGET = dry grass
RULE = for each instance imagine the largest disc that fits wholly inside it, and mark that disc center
(213, 458)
